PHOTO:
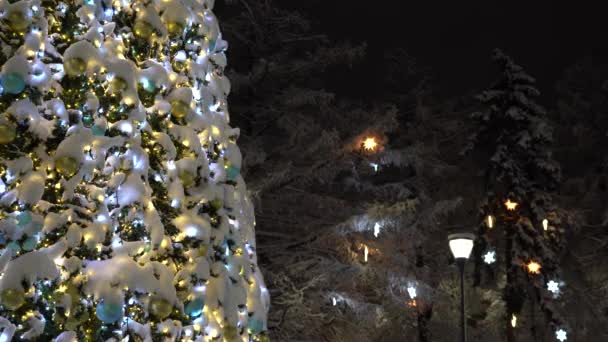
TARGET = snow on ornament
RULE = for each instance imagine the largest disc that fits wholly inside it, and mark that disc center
(561, 335)
(13, 83)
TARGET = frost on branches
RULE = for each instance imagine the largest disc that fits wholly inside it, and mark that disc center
(123, 213)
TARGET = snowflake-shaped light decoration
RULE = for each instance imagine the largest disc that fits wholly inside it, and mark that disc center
(561, 335)
(411, 290)
(490, 257)
(553, 287)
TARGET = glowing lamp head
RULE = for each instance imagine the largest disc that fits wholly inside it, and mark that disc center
(533, 267)
(461, 245)
(511, 205)
(370, 144)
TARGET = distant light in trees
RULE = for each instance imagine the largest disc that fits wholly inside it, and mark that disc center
(365, 253)
(561, 335)
(370, 144)
(411, 290)
(490, 221)
(545, 224)
(377, 229)
(513, 321)
(511, 205)
(334, 301)
(374, 166)
(533, 267)
(489, 257)
(553, 286)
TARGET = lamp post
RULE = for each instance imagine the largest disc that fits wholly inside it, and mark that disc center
(461, 245)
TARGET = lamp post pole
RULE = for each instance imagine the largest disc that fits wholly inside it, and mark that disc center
(463, 326)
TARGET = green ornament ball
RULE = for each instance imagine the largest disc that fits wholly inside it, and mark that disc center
(187, 178)
(195, 307)
(179, 109)
(17, 21)
(232, 172)
(148, 85)
(7, 133)
(29, 244)
(24, 218)
(88, 120)
(13, 83)
(109, 312)
(118, 84)
(216, 204)
(143, 29)
(75, 66)
(160, 308)
(14, 246)
(66, 166)
(175, 28)
(12, 299)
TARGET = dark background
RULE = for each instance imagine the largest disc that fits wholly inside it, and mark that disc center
(455, 38)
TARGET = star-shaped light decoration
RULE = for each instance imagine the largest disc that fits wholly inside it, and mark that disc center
(490, 257)
(511, 205)
(553, 287)
(561, 335)
(533, 267)
(370, 144)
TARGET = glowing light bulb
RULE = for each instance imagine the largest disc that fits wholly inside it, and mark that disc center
(365, 253)
(513, 321)
(411, 290)
(370, 144)
(489, 257)
(490, 221)
(534, 267)
(334, 301)
(374, 166)
(511, 205)
(545, 224)
(561, 335)
(376, 229)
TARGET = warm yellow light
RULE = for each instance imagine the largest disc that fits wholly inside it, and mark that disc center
(370, 144)
(365, 254)
(513, 321)
(545, 224)
(490, 221)
(511, 205)
(533, 267)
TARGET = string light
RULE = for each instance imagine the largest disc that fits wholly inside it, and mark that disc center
(545, 224)
(490, 221)
(365, 253)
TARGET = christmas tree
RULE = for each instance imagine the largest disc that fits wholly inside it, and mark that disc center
(520, 219)
(123, 214)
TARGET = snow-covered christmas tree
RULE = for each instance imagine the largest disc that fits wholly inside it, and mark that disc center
(122, 209)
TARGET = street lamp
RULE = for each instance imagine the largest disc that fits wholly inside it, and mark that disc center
(461, 245)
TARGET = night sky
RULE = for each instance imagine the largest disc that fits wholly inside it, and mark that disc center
(455, 38)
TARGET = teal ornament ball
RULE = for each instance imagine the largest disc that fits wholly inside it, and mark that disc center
(24, 218)
(108, 312)
(195, 307)
(232, 172)
(211, 45)
(13, 83)
(255, 326)
(88, 120)
(98, 131)
(148, 85)
(14, 246)
(29, 244)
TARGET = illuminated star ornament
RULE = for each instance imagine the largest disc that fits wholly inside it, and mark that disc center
(511, 205)
(561, 335)
(370, 144)
(533, 267)
(553, 286)
(489, 257)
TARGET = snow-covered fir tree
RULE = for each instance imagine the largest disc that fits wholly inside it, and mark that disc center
(521, 227)
(123, 214)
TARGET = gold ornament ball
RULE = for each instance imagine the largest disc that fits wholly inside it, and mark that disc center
(17, 21)
(66, 166)
(75, 66)
(7, 133)
(119, 84)
(160, 307)
(175, 28)
(202, 250)
(12, 299)
(179, 109)
(187, 178)
(143, 29)
(231, 333)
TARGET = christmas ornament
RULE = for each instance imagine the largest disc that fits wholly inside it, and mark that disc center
(255, 326)
(230, 333)
(66, 166)
(108, 312)
(7, 133)
(175, 28)
(118, 84)
(187, 178)
(12, 299)
(24, 218)
(29, 244)
(148, 85)
(13, 83)
(98, 131)
(143, 29)
(195, 307)
(216, 204)
(179, 109)
(160, 308)
(88, 120)
(232, 172)
(17, 21)
(14, 246)
(75, 66)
